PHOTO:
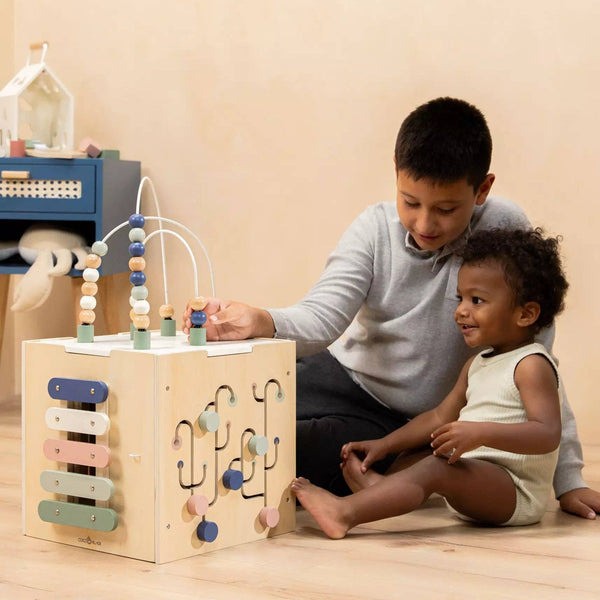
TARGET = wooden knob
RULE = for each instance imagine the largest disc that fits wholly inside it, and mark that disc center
(233, 479)
(258, 445)
(209, 420)
(207, 531)
(197, 505)
(268, 516)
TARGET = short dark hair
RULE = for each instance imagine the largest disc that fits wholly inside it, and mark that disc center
(531, 265)
(445, 140)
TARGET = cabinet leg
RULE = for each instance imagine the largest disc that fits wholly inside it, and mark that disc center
(4, 283)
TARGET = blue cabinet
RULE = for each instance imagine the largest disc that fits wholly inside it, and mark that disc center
(87, 196)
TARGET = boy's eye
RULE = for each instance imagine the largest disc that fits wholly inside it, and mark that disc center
(477, 300)
(411, 204)
(446, 211)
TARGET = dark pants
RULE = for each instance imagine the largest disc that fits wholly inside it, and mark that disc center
(331, 410)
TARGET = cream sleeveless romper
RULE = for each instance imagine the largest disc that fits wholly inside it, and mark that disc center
(493, 396)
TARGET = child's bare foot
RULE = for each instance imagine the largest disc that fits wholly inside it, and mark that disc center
(326, 508)
(354, 477)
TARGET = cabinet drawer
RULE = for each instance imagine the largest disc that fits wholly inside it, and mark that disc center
(27, 187)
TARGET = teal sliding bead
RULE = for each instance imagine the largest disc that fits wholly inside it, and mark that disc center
(168, 327)
(141, 339)
(198, 336)
(85, 333)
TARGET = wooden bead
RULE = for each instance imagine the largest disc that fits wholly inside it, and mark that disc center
(198, 303)
(89, 288)
(93, 261)
(141, 321)
(166, 311)
(137, 263)
(87, 316)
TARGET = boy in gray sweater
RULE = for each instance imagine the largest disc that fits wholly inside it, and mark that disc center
(375, 335)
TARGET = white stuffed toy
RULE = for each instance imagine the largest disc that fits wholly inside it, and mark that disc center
(40, 245)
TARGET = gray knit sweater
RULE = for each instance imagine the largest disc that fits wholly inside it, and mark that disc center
(385, 309)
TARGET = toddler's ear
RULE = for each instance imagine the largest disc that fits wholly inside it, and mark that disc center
(528, 314)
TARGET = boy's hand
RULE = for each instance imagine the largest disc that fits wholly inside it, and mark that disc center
(583, 502)
(372, 450)
(229, 320)
(456, 438)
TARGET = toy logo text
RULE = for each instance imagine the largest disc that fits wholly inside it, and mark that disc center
(89, 541)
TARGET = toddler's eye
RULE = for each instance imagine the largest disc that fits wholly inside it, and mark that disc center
(477, 300)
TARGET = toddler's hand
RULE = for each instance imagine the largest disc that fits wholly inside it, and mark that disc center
(456, 438)
(371, 450)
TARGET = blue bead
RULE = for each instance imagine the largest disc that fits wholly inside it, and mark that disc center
(207, 531)
(136, 220)
(233, 479)
(198, 318)
(137, 278)
(137, 249)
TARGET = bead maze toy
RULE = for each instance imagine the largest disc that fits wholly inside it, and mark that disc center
(150, 446)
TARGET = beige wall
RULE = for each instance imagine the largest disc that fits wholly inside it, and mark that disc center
(268, 126)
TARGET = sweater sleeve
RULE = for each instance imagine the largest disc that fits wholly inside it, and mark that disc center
(327, 310)
(567, 475)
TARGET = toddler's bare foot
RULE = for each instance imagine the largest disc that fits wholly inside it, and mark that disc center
(326, 508)
(354, 477)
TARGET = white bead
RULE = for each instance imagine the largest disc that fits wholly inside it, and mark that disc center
(88, 302)
(141, 307)
(91, 274)
(137, 234)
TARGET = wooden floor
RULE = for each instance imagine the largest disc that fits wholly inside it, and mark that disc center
(427, 554)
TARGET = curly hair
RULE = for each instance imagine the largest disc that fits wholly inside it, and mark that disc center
(531, 265)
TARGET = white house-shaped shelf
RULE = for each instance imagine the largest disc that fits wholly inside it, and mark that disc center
(35, 105)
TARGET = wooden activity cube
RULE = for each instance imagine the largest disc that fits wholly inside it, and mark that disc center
(199, 444)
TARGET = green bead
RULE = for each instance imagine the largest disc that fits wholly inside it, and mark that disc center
(99, 248)
(139, 292)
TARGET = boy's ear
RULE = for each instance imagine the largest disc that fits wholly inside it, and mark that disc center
(484, 189)
(528, 314)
